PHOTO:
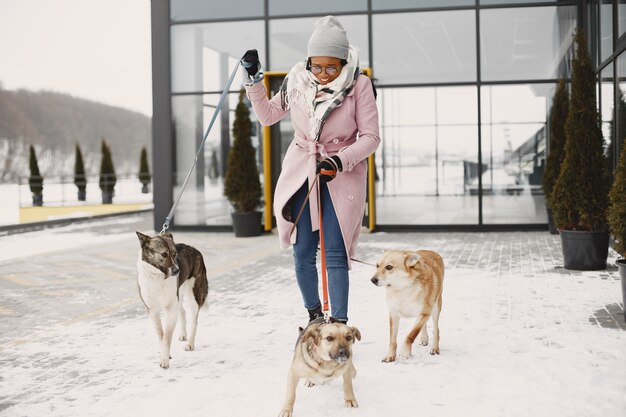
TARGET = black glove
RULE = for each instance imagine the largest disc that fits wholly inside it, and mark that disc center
(250, 62)
(328, 168)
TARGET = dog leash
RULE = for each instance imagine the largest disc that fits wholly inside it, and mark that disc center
(325, 297)
(322, 255)
(306, 199)
(220, 103)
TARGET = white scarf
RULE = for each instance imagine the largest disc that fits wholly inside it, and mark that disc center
(302, 86)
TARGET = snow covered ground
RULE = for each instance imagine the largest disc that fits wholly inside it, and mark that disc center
(520, 336)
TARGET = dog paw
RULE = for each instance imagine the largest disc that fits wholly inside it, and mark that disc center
(434, 351)
(351, 403)
(405, 352)
(285, 413)
(424, 341)
(188, 347)
(164, 363)
(308, 383)
(389, 358)
(182, 337)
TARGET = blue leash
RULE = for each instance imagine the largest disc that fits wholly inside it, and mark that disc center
(170, 215)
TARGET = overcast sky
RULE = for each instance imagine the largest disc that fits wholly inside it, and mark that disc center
(93, 49)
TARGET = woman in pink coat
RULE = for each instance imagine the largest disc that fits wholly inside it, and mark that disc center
(335, 119)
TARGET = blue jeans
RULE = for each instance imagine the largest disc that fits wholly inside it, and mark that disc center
(305, 254)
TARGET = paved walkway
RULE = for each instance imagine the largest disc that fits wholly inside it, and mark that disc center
(520, 334)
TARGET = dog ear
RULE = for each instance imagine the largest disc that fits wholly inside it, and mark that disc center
(143, 239)
(412, 259)
(168, 235)
(356, 333)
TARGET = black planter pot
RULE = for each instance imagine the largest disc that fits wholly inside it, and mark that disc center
(37, 200)
(551, 227)
(621, 266)
(247, 224)
(584, 251)
(82, 195)
(107, 197)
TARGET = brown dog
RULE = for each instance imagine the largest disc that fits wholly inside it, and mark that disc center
(323, 352)
(414, 282)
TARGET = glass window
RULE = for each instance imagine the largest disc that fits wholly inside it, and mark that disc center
(204, 55)
(621, 107)
(413, 4)
(491, 2)
(289, 39)
(425, 47)
(513, 135)
(606, 105)
(429, 143)
(606, 29)
(525, 43)
(285, 7)
(203, 202)
(621, 17)
(214, 9)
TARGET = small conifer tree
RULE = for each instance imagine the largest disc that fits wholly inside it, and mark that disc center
(80, 180)
(107, 170)
(144, 168)
(35, 180)
(580, 196)
(617, 204)
(558, 115)
(241, 183)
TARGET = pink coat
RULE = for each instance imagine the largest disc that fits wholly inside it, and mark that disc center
(357, 114)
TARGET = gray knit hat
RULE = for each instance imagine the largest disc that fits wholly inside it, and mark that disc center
(329, 39)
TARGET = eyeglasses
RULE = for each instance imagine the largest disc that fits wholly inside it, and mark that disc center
(317, 70)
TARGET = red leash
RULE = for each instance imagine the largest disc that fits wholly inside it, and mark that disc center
(322, 256)
(316, 182)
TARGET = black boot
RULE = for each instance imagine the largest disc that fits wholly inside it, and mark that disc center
(315, 313)
(341, 321)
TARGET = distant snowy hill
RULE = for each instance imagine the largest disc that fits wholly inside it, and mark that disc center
(55, 122)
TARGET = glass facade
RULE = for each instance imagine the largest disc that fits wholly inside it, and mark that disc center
(464, 92)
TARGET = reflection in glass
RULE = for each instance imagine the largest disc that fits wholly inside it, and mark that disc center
(513, 137)
(491, 2)
(289, 39)
(323, 7)
(203, 202)
(425, 47)
(606, 29)
(214, 9)
(409, 4)
(621, 17)
(429, 146)
(621, 111)
(607, 106)
(201, 58)
(525, 43)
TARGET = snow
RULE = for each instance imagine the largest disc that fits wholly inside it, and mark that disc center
(515, 341)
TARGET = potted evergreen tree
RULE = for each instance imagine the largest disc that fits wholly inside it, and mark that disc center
(579, 199)
(144, 171)
(107, 174)
(80, 180)
(558, 115)
(616, 216)
(241, 183)
(35, 180)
